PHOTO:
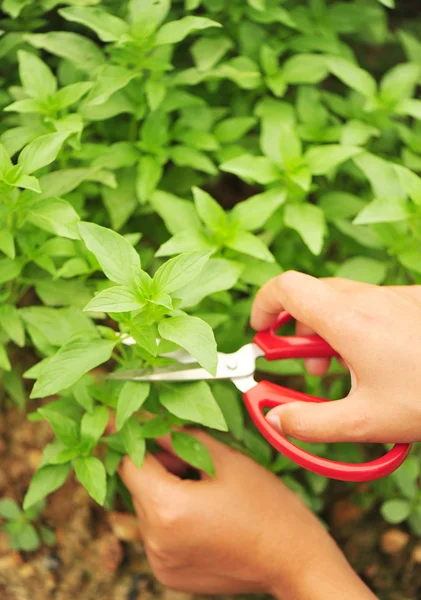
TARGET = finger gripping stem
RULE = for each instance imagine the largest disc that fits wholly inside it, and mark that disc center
(268, 395)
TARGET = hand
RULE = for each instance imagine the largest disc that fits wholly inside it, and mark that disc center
(242, 531)
(377, 331)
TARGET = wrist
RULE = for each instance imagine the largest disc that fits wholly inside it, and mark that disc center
(324, 574)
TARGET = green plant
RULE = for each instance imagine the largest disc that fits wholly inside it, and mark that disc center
(239, 137)
(21, 532)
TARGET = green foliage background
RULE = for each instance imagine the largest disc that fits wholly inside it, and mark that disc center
(242, 138)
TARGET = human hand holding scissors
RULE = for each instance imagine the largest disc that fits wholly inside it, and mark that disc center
(239, 367)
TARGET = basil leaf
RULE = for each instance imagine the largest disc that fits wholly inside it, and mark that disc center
(134, 444)
(178, 272)
(193, 402)
(115, 299)
(195, 336)
(91, 473)
(117, 258)
(192, 451)
(69, 364)
(45, 481)
(132, 396)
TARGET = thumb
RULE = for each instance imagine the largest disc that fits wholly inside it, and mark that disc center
(151, 480)
(337, 421)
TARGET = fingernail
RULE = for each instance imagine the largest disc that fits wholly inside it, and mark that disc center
(274, 420)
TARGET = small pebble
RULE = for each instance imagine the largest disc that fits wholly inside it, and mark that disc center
(124, 526)
(416, 554)
(393, 541)
(52, 561)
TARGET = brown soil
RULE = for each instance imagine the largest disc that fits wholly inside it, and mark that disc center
(99, 556)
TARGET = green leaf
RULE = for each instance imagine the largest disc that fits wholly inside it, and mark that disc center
(400, 82)
(382, 176)
(56, 216)
(117, 257)
(243, 71)
(4, 359)
(156, 428)
(132, 396)
(112, 461)
(247, 243)
(27, 538)
(208, 51)
(108, 27)
(178, 215)
(79, 50)
(37, 79)
(193, 402)
(145, 335)
(11, 322)
(217, 275)
(232, 129)
(7, 243)
(357, 133)
(383, 210)
(322, 159)
(176, 31)
(91, 473)
(9, 509)
(134, 444)
(305, 68)
(9, 269)
(93, 425)
(65, 428)
(149, 173)
(290, 147)
(253, 168)
(412, 46)
(45, 481)
(148, 14)
(352, 75)
(110, 79)
(411, 183)
(72, 93)
(410, 107)
(195, 336)
(309, 222)
(41, 152)
(231, 406)
(116, 299)
(364, 269)
(177, 272)
(192, 451)
(184, 156)
(395, 511)
(210, 212)
(69, 364)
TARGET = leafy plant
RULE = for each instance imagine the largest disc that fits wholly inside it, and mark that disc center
(18, 525)
(159, 161)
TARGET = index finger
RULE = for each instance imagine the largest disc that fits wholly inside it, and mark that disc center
(313, 302)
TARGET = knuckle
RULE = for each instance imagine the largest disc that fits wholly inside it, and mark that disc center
(168, 517)
(360, 425)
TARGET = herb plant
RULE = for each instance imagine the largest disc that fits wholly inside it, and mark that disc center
(18, 525)
(159, 161)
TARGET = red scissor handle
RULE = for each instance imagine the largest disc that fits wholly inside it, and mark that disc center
(278, 347)
(268, 395)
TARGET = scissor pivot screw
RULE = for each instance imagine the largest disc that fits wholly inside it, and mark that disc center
(232, 364)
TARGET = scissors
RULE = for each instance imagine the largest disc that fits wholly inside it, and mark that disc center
(239, 367)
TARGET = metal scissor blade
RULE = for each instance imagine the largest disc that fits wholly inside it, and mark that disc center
(230, 366)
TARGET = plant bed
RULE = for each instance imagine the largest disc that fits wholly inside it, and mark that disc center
(96, 553)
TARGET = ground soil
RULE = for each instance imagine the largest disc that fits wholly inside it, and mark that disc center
(99, 555)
